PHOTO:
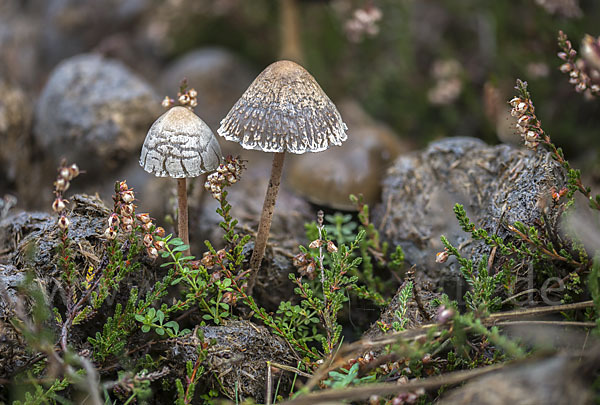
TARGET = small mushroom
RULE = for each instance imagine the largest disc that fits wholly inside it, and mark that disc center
(283, 110)
(180, 145)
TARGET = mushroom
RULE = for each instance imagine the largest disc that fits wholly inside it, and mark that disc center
(283, 110)
(180, 145)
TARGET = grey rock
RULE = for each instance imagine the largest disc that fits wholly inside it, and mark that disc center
(238, 354)
(492, 182)
(15, 123)
(72, 26)
(20, 59)
(357, 167)
(561, 379)
(96, 112)
(218, 75)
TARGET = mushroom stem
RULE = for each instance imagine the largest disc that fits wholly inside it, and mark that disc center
(182, 213)
(265, 219)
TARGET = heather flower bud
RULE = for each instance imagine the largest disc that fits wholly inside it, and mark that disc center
(59, 204)
(184, 99)
(208, 260)
(160, 232)
(127, 209)
(217, 196)
(562, 55)
(127, 196)
(127, 220)
(74, 169)
(167, 102)
(299, 260)
(221, 169)
(148, 240)
(147, 227)
(316, 244)
(193, 93)
(127, 228)
(123, 186)
(515, 101)
(113, 220)
(65, 173)
(152, 252)
(221, 254)
(144, 218)
(63, 222)
(61, 184)
(110, 233)
(441, 257)
(331, 247)
(524, 120)
(444, 314)
(565, 67)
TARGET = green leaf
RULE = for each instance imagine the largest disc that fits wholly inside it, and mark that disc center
(160, 331)
(180, 248)
(161, 316)
(145, 328)
(139, 318)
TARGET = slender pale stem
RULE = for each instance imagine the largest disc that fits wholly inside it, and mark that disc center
(265, 219)
(289, 23)
(182, 213)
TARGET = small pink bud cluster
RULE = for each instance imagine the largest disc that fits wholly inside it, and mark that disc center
(125, 219)
(583, 73)
(227, 173)
(363, 23)
(527, 123)
(62, 183)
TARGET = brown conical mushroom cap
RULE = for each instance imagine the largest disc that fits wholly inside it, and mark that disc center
(179, 144)
(284, 110)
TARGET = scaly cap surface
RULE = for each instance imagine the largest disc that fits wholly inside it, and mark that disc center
(284, 110)
(179, 144)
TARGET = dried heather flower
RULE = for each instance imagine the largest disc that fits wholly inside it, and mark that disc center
(148, 240)
(113, 220)
(152, 252)
(331, 247)
(127, 196)
(159, 245)
(441, 257)
(144, 218)
(160, 232)
(74, 170)
(316, 244)
(59, 204)
(61, 184)
(147, 227)
(167, 102)
(65, 173)
(110, 233)
(63, 222)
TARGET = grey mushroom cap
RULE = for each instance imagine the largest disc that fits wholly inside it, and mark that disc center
(284, 110)
(178, 145)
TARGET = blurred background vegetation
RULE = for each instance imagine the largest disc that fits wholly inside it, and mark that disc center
(432, 68)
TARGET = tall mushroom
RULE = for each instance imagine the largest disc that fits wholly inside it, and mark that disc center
(283, 110)
(180, 145)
